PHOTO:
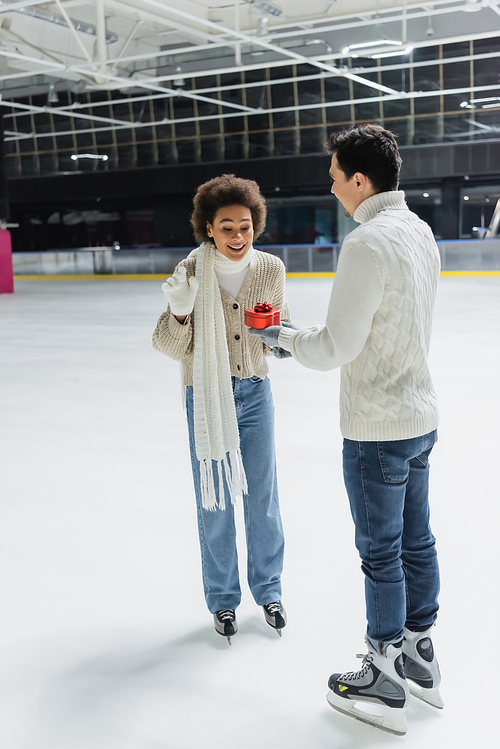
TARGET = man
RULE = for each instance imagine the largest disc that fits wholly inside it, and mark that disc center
(377, 331)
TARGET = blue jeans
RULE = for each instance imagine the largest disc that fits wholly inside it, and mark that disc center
(387, 484)
(264, 532)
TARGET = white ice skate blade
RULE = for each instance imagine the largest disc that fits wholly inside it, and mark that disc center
(389, 719)
(430, 696)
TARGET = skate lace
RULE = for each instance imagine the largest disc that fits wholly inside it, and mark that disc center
(367, 662)
(273, 608)
(226, 615)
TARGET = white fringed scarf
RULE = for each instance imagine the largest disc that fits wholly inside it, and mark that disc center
(215, 426)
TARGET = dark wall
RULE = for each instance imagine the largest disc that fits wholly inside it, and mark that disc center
(155, 203)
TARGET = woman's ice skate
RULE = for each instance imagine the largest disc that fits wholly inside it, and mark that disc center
(377, 694)
(225, 623)
(275, 615)
(421, 667)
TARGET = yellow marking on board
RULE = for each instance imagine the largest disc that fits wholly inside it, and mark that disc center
(162, 276)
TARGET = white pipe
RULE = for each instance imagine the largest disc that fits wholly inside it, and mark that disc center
(122, 82)
(128, 125)
(125, 45)
(175, 92)
(369, 22)
(267, 45)
(14, 6)
(101, 35)
(237, 46)
(364, 14)
(73, 30)
(278, 81)
(55, 110)
(157, 18)
(178, 51)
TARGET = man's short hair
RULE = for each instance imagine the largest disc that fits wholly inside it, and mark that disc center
(368, 149)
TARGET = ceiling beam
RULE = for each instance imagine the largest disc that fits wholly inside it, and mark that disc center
(260, 42)
(273, 110)
(73, 31)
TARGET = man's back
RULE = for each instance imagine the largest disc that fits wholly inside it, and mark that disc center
(387, 391)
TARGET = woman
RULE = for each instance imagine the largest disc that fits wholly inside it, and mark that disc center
(229, 403)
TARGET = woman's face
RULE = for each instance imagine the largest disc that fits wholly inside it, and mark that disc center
(232, 231)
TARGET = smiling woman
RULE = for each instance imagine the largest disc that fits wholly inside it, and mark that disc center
(229, 404)
(232, 231)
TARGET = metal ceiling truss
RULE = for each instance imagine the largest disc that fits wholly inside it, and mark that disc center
(102, 71)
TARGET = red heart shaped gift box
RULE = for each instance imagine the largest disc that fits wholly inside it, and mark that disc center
(262, 316)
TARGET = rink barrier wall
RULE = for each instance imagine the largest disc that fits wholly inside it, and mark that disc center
(161, 277)
(312, 261)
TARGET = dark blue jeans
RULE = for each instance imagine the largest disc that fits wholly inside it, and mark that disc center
(254, 405)
(387, 484)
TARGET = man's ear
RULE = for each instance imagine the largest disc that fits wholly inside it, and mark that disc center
(361, 180)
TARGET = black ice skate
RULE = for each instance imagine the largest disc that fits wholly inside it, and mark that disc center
(377, 694)
(421, 667)
(275, 615)
(225, 623)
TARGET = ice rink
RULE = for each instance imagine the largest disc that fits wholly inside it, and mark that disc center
(106, 641)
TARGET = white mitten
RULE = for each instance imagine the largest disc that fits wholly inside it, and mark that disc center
(181, 292)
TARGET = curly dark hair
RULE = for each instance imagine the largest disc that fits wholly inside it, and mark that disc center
(222, 191)
(371, 150)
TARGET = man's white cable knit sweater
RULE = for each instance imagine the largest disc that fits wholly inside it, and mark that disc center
(378, 324)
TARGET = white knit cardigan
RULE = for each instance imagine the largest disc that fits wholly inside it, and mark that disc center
(378, 324)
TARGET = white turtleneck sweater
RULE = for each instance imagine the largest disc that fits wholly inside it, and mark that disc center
(378, 324)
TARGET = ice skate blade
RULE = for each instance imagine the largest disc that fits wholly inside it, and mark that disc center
(431, 697)
(390, 719)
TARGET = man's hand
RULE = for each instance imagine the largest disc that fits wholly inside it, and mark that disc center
(269, 336)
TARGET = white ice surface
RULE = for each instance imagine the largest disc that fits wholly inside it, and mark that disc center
(106, 641)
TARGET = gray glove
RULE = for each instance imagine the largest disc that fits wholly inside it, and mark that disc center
(269, 336)
(181, 292)
(281, 353)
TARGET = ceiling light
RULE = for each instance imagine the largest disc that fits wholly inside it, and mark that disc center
(378, 43)
(263, 28)
(52, 97)
(425, 194)
(466, 197)
(100, 157)
(399, 52)
(488, 98)
(366, 45)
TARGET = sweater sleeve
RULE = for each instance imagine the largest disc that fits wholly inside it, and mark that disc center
(279, 300)
(172, 338)
(356, 295)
